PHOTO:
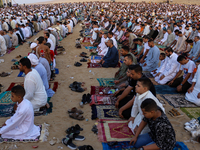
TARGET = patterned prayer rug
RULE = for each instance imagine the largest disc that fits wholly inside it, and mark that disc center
(105, 112)
(90, 47)
(178, 100)
(165, 89)
(100, 90)
(102, 100)
(118, 146)
(96, 65)
(95, 59)
(114, 130)
(191, 112)
(106, 81)
(43, 136)
(52, 85)
(10, 50)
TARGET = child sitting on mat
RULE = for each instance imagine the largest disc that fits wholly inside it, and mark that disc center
(21, 124)
(142, 89)
(161, 135)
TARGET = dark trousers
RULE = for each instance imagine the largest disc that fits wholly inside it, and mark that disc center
(185, 86)
(126, 113)
(106, 65)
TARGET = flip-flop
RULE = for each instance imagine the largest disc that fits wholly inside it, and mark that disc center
(76, 116)
(72, 129)
(4, 74)
(83, 60)
(76, 137)
(85, 147)
(84, 99)
(77, 64)
(15, 67)
(75, 110)
(68, 143)
(88, 98)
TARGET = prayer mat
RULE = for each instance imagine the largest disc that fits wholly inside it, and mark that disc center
(95, 59)
(52, 85)
(161, 46)
(86, 39)
(191, 112)
(178, 100)
(118, 146)
(106, 81)
(90, 47)
(102, 100)
(165, 89)
(105, 112)
(100, 90)
(96, 65)
(93, 54)
(114, 130)
(42, 138)
(10, 50)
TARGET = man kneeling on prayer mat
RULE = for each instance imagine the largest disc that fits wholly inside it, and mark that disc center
(112, 57)
(21, 124)
(142, 92)
(33, 84)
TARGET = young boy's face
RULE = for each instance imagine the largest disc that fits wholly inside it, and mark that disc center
(14, 97)
(139, 88)
(147, 115)
(128, 73)
(161, 57)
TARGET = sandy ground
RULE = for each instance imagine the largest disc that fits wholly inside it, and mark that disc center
(65, 99)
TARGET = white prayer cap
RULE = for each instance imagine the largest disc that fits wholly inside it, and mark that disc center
(33, 45)
(33, 58)
(50, 28)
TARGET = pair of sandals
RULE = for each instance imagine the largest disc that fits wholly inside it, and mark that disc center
(86, 98)
(76, 86)
(4, 74)
(15, 67)
(77, 64)
(74, 129)
(76, 114)
(69, 138)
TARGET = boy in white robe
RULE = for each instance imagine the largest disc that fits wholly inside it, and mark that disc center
(142, 89)
(21, 124)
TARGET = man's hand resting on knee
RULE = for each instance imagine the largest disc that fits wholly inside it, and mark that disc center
(131, 119)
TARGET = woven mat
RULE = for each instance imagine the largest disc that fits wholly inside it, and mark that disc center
(105, 112)
(114, 130)
(102, 100)
(178, 100)
(191, 112)
(106, 81)
(100, 90)
(43, 136)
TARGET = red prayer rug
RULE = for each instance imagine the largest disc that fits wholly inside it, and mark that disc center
(102, 100)
(100, 90)
(114, 130)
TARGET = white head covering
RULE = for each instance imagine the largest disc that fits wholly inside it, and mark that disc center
(33, 58)
(33, 45)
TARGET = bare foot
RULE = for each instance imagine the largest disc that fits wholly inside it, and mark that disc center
(47, 105)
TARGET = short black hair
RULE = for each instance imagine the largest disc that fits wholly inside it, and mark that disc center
(162, 54)
(129, 56)
(110, 33)
(25, 62)
(180, 58)
(126, 48)
(141, 40)
(47, 34)
(149, 105)
(146, 82)
(137, 68)
(150, 40)
(146, 37)
(40, 39)
(48, 44)
(18, 90)
(169, 49)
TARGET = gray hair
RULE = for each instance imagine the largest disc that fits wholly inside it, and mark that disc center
(111, 41)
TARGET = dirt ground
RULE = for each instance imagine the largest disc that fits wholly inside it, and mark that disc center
(65, 99)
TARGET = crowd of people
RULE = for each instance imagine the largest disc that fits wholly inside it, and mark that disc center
(159, 38)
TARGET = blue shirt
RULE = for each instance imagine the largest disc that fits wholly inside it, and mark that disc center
(112, 56)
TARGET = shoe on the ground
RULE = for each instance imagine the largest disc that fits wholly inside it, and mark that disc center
(85, 147)
(77, 64)
(83, 60)
(68, 142)
(88, 98)
(84, 98)
(191, 122)
(192, 127)
(195, 133)
(76, 137)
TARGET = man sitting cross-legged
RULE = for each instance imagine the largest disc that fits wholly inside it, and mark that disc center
(112, 57)
(21, 124)
(184, 82)
(142, 89)
(122, 70)
(127, 95)
(33, 85)
(161, 135)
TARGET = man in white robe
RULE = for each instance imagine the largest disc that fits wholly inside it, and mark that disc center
(21, 124)
(193, 94)
(33, 85)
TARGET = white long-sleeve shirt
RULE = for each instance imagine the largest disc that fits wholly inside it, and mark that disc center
(165, 37)
(170, 65)
(21, 124)
(146, 30)
(136, 111)
(35, 90)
